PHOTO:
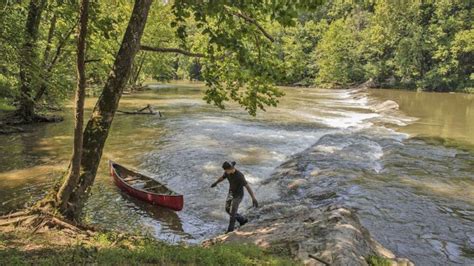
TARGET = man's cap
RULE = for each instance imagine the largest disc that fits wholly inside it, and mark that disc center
(228, 165)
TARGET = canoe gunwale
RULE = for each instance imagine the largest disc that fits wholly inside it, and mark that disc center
(112, 163)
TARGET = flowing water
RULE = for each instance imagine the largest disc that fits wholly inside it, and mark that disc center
(414, 194)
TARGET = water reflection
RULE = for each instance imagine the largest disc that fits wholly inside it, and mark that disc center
(441, 115)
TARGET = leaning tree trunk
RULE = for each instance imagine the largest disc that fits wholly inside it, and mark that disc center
(28, 61)
(75, 170)
(51, 63)
(97, 128)
(44, 65)
(136, 70)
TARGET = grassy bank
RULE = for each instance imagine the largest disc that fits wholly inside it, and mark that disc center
(5, 105)
(54, 247)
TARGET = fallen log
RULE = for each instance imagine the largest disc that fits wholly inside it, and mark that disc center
(147, 110)
(138, 113)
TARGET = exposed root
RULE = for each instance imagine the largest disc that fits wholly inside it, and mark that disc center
(13, 215)
(7, 129)
(41, 225)
(16, 221)
(37, 218)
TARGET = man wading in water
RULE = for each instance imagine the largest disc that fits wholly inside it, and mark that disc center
(237, 183)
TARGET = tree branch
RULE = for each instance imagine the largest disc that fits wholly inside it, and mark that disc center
(170, 50)
(92, 60)
(49, 41)
(52, 63)
(60, 46)
(254, 22)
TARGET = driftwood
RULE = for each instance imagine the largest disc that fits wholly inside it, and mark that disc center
(147, 110)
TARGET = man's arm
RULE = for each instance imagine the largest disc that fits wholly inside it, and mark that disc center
(254, 200)
(220, 179)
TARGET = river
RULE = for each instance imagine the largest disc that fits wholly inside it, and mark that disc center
(409, 173)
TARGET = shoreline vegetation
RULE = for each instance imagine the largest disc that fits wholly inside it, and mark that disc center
(415, 46)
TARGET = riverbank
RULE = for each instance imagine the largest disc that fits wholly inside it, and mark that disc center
(19, 246)
(11, 124)
(324, 236)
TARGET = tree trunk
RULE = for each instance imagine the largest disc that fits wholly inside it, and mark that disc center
(28, 61)
(136, 70)
(74, 171)
(44, 67)
(48, 66)
(97, 128)
(47, 50)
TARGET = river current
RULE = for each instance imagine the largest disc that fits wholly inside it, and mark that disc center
(408, 173)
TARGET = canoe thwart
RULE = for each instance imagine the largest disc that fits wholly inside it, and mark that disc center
(135, 184)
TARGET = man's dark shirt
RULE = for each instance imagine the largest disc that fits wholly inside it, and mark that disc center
(236, 183)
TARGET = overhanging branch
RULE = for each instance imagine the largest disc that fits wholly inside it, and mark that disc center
(251, 21)
(92, 60)
(170, 50)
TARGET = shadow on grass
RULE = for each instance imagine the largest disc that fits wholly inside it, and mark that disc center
(145, 252)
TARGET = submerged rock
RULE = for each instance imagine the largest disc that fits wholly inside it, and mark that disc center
(297, 183)
(388, 105)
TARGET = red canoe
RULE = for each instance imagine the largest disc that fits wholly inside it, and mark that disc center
(145, 188)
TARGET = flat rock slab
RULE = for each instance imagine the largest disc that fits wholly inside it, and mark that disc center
(317, 236)
(306, 220)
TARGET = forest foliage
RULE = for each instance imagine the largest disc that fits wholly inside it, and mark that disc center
(424, 45)
(413, 45)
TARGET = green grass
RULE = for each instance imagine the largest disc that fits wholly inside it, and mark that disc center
(6, 105)
(378, 261)
(106, 250)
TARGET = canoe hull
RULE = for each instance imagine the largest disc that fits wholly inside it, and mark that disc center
(174, 202)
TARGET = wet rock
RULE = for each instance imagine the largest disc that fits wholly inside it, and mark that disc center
(332, 235)
(297, 183)
(315, 172)
(388, 105)
(305, 220)
(369, 84)
(401, 262)
(322, 195)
